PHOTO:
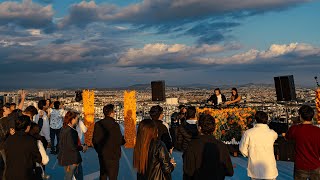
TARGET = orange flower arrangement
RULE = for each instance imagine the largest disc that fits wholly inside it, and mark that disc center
(237, 116)
(318, 103)
(88, 110)
(130, 117)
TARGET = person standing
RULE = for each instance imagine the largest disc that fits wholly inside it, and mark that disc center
(257, 144)
(307, 147)
(56, 122)
(206, 158)
(107, 141)
(21, 152)
(40, 167)
(156, 114)
(188, 129)
(4, 133)
(69, 156)
(151, 158)
(177, 118)
(43, 121)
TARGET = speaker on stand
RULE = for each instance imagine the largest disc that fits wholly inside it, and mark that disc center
(286, 92)
(285, 89)
(158, 90)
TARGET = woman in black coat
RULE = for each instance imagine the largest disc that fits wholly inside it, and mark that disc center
(69, 145)
(151, 158)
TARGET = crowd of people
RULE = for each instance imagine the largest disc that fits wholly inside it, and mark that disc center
(25, 135)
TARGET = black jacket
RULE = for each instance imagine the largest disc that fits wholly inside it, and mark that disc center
(159, 165)
(107, 139)
(68, 147)
(214, 99)
(163, 134)
(207, 159)
(22, 153)
(185, 133)
(4, 131)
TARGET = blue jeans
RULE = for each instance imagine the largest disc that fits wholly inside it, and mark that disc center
(53, 134)
(307, 174)
(75, 171)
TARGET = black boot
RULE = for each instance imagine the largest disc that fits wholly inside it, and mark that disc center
(53, 151)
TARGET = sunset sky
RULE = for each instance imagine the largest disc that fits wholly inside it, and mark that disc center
(115, 43)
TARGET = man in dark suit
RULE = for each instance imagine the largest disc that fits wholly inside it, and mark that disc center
(217, 98)
(21, 152)
(107, 140)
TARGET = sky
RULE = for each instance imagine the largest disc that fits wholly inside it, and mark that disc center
(118, 43)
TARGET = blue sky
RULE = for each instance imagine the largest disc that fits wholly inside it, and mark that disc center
(112, 43)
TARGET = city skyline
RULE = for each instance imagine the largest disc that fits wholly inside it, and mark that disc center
(111, 43)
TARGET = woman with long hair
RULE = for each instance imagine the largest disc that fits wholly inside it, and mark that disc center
(69, 155)
(151, 158)
(235, 97)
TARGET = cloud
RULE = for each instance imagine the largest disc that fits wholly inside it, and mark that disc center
(209, 21)
(182, 56)
(74, 57)
(26, 14)
(168, 56)
(99, 62)
(87, 12)
(152, 12)
(210, 32)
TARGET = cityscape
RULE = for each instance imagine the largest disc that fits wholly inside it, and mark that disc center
(260, 97)
(159, 89)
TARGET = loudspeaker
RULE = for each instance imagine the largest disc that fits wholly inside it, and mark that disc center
(1, 101)
(285, 88)
(78, 96)
(158, 91)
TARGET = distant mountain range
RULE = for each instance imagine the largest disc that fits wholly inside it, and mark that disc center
(148, 87)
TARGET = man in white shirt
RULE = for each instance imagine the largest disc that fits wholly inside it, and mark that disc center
(257, 145)
(56, 123)
(43, 121)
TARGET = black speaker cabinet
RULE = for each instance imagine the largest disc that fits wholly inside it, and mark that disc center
(1, 101)
(78, 96)
(285, 88)
(158, 89)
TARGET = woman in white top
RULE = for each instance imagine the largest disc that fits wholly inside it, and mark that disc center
(41, 142)
(81, 129)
